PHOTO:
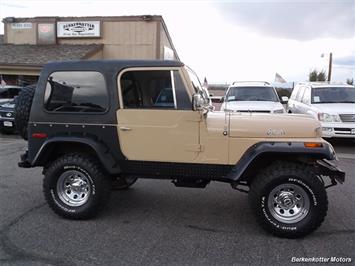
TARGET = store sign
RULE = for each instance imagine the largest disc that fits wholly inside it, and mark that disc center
(77, 29)
(21, 26)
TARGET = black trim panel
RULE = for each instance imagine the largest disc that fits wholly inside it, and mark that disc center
(166, 170)
(101, 139)
(279, 148)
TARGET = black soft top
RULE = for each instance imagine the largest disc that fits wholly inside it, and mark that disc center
(108, 68)
(113, 65)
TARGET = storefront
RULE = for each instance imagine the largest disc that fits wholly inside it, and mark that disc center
(29, 43)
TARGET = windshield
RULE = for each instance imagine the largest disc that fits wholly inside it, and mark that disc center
(333, 95)
(197, 84)
(252, 94)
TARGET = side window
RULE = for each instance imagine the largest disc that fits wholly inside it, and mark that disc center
(76, 91)
(151, 89)
(182, 97)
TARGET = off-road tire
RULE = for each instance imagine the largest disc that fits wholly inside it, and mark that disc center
(23, 103)
(121, 183)
(86, 166)
(296, 174)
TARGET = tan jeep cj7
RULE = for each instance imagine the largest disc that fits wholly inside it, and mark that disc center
(98, 125)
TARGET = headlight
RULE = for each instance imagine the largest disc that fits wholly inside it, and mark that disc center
(279, 111)
(324, 117)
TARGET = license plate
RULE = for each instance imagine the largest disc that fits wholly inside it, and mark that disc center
(9, 124)
(353, 131)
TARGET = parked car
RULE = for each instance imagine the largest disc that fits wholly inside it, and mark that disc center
(9, 92)
(7, 117)
(332, 104)
(252, 96)
(90, 123)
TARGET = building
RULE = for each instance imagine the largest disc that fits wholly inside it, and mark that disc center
(29, 43)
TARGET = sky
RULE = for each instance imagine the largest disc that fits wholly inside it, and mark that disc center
(228, 40)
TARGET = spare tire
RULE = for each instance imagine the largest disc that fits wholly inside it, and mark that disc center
(23, 103)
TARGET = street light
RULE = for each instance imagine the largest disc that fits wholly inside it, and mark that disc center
(330, 65)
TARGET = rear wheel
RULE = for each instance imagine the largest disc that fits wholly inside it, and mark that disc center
(288, 199)
(76, 187)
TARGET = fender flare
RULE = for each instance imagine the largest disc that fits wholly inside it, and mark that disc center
(103, 154)
(285, 148)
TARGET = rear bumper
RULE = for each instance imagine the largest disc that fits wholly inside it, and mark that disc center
(326, 168)
(7, 124)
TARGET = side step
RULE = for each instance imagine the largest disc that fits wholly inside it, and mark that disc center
(192, 183)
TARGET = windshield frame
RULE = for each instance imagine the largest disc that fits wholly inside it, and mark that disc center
(198, 88)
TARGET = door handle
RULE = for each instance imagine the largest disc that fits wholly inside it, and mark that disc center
(125, 128)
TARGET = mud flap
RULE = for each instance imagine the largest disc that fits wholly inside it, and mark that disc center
(326, 168)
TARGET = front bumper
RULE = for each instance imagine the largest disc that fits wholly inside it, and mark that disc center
(327, 169)
(338, 130)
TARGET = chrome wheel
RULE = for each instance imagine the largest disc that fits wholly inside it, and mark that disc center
(288, 203)
(73, 188)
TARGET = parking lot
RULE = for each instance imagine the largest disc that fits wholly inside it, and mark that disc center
(154, 223)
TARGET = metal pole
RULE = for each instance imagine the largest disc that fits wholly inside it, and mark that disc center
(330, 67)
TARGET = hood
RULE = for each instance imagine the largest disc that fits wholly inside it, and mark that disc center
(256, 125)
(252, 105)
(336, 108)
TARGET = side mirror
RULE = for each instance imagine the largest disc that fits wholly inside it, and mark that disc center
(284, 99)
(197, 101)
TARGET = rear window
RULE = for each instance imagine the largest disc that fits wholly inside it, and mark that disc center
(76, 91)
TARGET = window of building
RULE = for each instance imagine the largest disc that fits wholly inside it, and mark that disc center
(76, 91)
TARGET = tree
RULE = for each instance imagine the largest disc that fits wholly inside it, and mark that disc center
(313, 75)
(321, 76)
(316, 75)
(350, 81)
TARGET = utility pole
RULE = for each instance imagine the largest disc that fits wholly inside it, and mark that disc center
(330, 66)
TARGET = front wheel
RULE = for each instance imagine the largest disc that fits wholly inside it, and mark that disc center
(76, 187)
(288, 200)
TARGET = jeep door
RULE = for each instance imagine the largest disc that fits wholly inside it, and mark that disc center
(155, 120)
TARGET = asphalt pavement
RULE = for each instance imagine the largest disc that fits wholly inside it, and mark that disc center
(155, 223)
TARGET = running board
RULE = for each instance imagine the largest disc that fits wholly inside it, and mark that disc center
(192, 183)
